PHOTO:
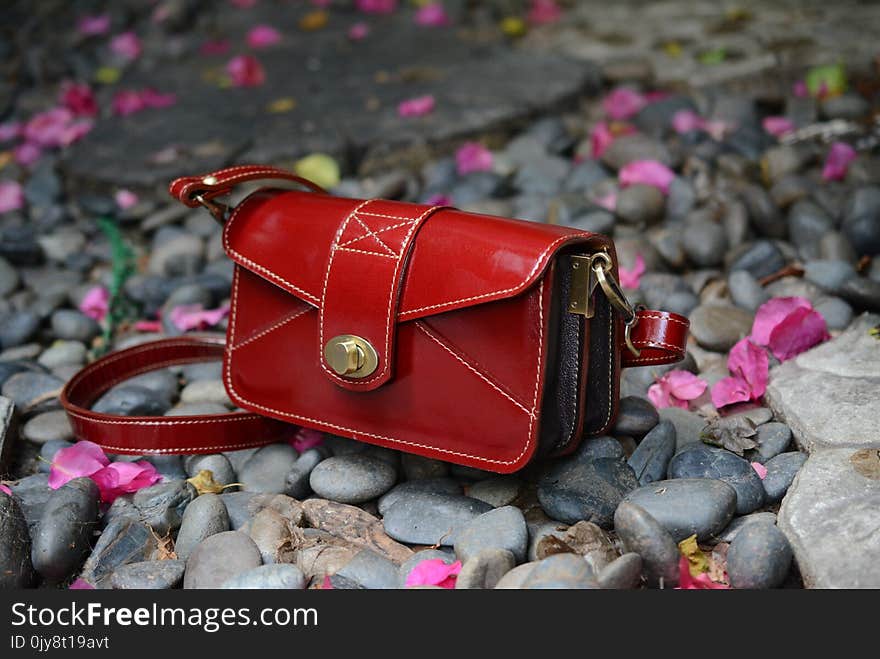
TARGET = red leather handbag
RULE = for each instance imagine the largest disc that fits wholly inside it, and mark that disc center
(467, 338)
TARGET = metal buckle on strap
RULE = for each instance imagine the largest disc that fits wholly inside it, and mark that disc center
(217, 210)
(593, 270)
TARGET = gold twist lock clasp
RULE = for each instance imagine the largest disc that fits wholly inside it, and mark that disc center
(351, 356)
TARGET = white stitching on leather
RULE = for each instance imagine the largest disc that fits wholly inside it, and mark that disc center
(667, 318)
(389, 217)
(272, 328)
(537, 266)
(471, 368)
(383, 230)
(370, 233)
(389, 316)
(237, 397)
(257, 266)
(363, 251)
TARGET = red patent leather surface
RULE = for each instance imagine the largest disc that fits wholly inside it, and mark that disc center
(456, 304)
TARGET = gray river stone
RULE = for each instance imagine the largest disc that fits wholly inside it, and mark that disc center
(62, 537)
(651, 458)
(220, 557)
(16, 570)
(353, 478)
(685, 506)
(281, 576)
(759, 557)
(501, 528)
(561, 571)
(372, 571)
(781, 472)
(204, 517)
(148, 575)
(641, 533)
(623, 573)
(124, 540)
(441, 485)
(431, 519)
(573, 490)
(484, 569)
(710, 462)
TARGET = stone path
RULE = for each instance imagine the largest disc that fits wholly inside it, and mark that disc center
(345, 93)
(766, 46)
(830, 397)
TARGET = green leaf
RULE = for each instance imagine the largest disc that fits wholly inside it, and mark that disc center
(715, 56)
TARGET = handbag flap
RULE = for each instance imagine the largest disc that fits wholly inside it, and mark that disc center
(458, 260)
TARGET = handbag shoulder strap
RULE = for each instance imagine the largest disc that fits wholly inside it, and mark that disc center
(203, 433)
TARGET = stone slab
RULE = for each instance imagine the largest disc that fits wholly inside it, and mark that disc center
(830, 396)
(346, 96)
(831, 516)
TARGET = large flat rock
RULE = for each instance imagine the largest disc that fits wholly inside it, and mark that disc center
(831, 516)
(830, 396)
(346, 96)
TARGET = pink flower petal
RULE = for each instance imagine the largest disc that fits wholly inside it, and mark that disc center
(11, 196)
(797, 332)
(701, 582)
(306, 438)
(438, 200)
(376, 6)
(416, 107)
(685, 121)
(771, 313)
(434, 572)
(154, 99)
(543, 12)
(358, 31)
(327, 584)
(684, 385)
(82, 459)
(126, 102)
(778, 126)
(263, 36)
(125, 199)
(127, 45)
(473, 157)
(193, 316)
(5, 489)
(123, 477)
(90, 26)
(27, 153)
(601, 138)
(49, 128)
(750, 363)
(151, 326)
(840, 155)
(96, 303)
(216, 47)
(647, 172)
(799, 89)
(246, 71)
(75, 131)
(730, 390)
(79, 99)
(81, 584)
(607, 201)
(760, 469)
(632, 278)
(675, 389)
(432, 14)
(623, 103)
